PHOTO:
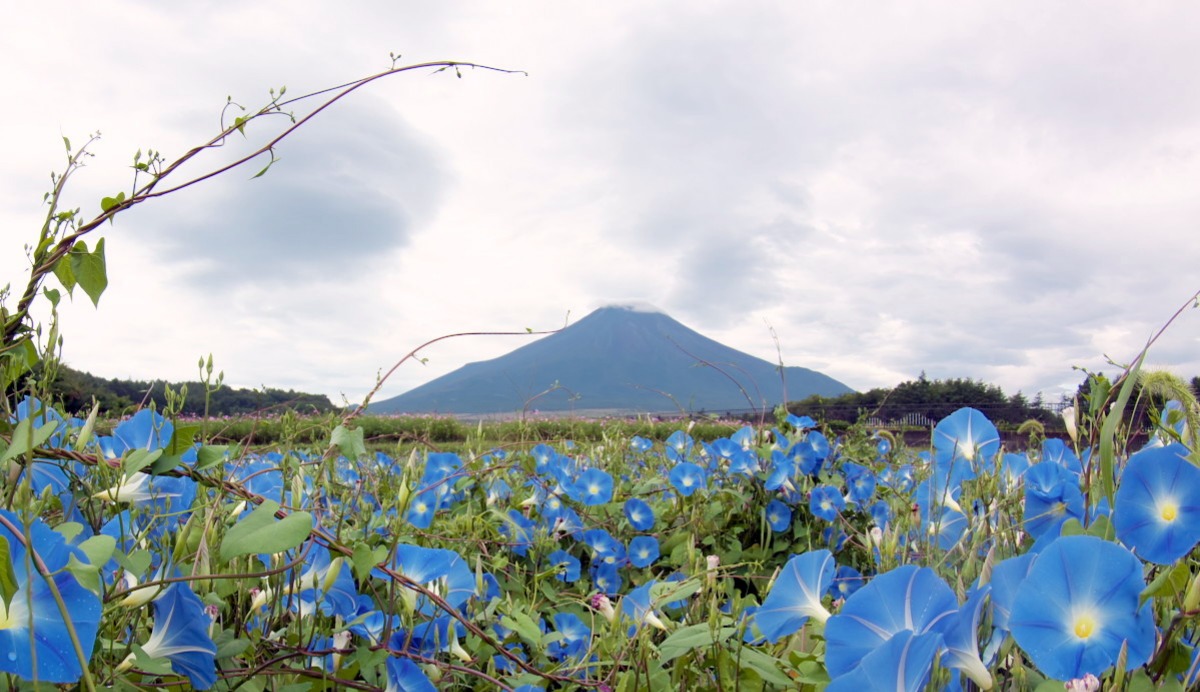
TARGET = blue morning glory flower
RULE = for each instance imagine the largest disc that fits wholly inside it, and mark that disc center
(826, 502)
(1007, 577)
(860, 483)
(901, 664)
(679, 445)
(643, 551)
(1051, 497)
(637, 606)
(442, 571)
(687, 478)
(1012, 469)
(779, 516)
(180, 635)
(962, 640)
(783, 470)
(594, 487)
(906, 598)
(846, 581)
(881, 513)
(145, 430)
(371, 624)
(567, 564)
(966, 435)
(744, 462)
(519, 530)
(800, 422)
(1079, 605)
(421, 509)
(796, 595)
(565, 521)
(811, 453)
(1057, 451)
(1157, 506)
(48, 636)
(576, 638)
(639, 514)
(640, 444)
(405, 676)
(605, 548)
(431, 637)
(606, 578)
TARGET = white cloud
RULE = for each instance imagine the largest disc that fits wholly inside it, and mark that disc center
(997, 193)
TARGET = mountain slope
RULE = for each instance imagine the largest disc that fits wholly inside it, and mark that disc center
(615, 359)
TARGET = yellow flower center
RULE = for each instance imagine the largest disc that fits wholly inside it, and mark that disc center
(1085, 625)
(593, 489)
(1168, 511)
(422, 508)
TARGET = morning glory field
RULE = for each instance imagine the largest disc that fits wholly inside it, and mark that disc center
(147, 551)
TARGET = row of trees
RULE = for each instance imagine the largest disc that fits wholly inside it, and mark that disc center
(931, 399)
(77, 390)
(936, 399)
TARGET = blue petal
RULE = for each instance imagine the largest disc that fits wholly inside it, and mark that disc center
(1075, 575)
(902, 664)
(1152, 478)
(906, 598)
(796, 595)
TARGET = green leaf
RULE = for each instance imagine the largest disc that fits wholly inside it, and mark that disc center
(183, 439)
(349, 441)
(25, 439)
(766, 666)
(1071, 527)
(364, 559)
(524, 626)
(671, 591)
(69, 530)
(165, 463)
(99, 549)
(1102, 528)
(62, 270)
(8, 575)
(89, 269)
(209, 456)
(691, 637)
(139, 459)
(1168, 583)
(229, 646)
(261, 532)
(87, 575)
(136, 562)
(1108, 430)
(109, 202)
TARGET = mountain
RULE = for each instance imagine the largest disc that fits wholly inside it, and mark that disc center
(617, 359)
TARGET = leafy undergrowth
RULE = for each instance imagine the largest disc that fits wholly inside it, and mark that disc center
(770, 558)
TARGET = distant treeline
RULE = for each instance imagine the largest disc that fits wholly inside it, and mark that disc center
(77, 390)
(931, 400)
(926, 399)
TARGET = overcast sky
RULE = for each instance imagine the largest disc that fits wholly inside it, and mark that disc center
(997, 191)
